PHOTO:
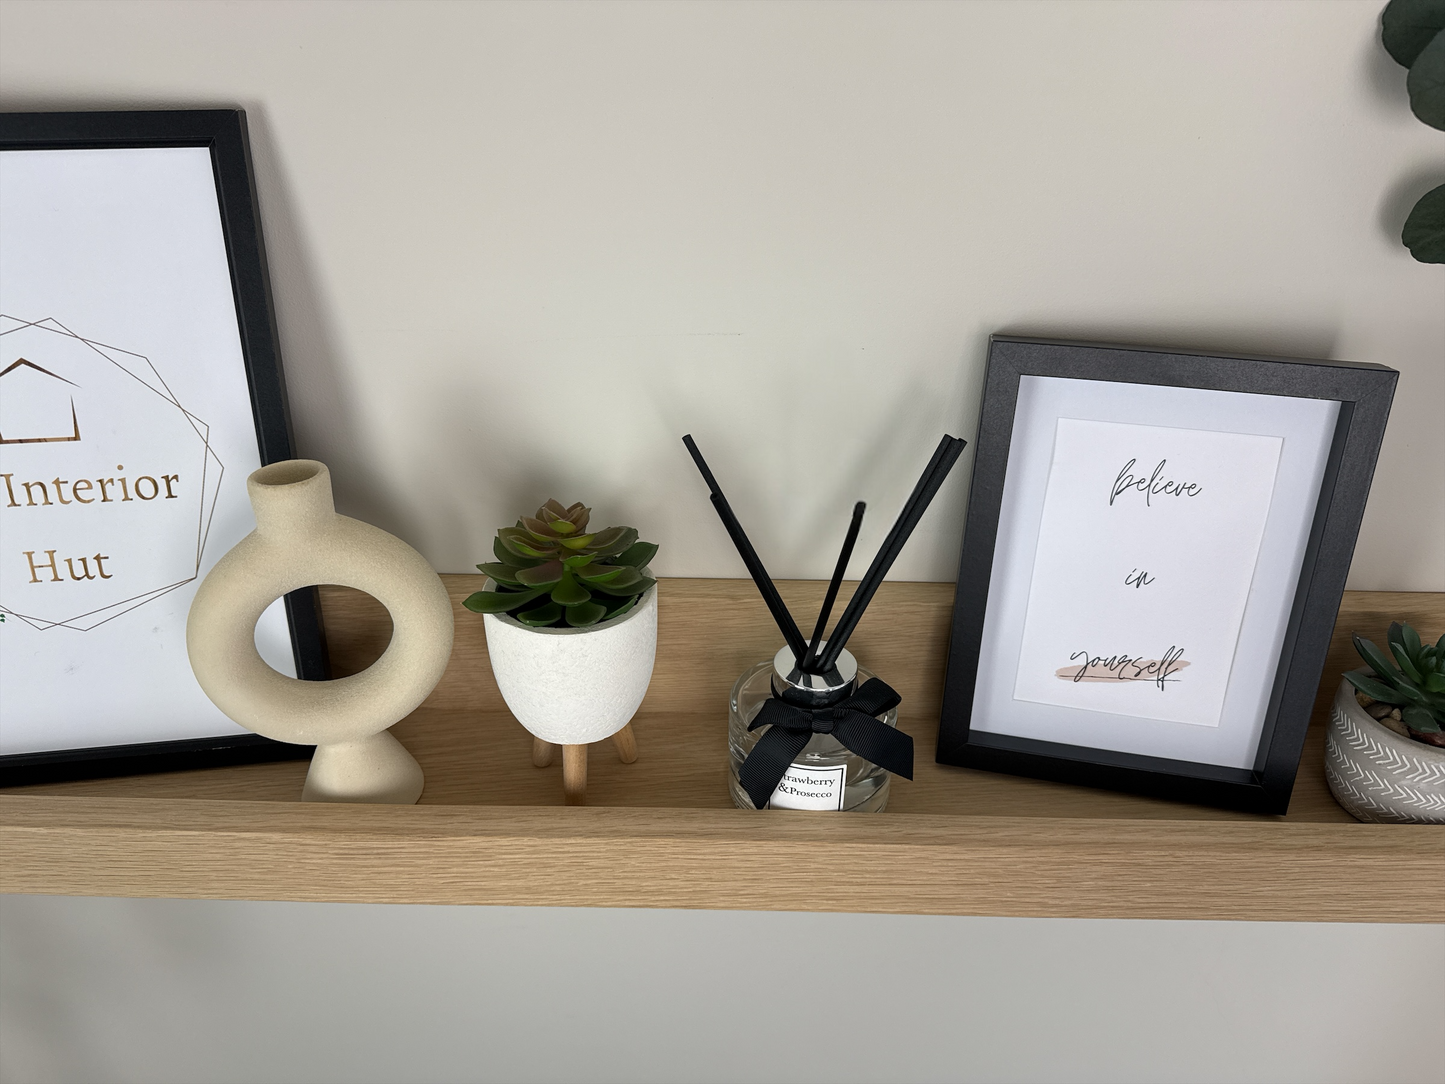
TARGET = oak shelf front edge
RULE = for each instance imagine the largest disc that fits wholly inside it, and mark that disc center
(491, 828)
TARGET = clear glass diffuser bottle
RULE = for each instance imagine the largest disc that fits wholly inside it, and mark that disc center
(825, 775)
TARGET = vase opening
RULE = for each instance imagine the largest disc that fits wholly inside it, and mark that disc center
(287, 473)
(291, 498)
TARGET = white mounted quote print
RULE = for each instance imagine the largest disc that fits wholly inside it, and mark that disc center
(1147, 549)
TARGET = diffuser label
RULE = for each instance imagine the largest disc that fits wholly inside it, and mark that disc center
(1147, 549)
(810, 788)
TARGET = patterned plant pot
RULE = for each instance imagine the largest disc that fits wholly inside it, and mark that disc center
(1376, 774)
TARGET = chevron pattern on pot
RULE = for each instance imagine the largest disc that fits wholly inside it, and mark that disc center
(1376, 775)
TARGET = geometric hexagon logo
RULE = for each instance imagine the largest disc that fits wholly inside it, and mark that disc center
(109, 482)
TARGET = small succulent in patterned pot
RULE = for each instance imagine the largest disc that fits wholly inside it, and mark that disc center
(1385, 746)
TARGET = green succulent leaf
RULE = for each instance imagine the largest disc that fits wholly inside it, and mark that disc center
(576, 561)
(542, 575)
(1426, 83)
(500, 602)
(1379, 662)
(1407, 666)
(613, 541)
(569, 592)
(542, 616)
(507, 557)
(1421, 720)
(506, 574)
(577, 542)
(638, 588)
(584, 614)
(1408, 637)
(620, 606)
(520, 543)
(1435, 683)
(626, 582)
(1407, 26)
(638, 555)
(597, 575)
(1376, 690)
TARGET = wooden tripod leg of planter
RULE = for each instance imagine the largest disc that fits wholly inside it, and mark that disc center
(541, 752)
(574, 774)
(626, 743)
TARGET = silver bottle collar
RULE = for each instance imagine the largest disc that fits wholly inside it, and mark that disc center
(813, 690)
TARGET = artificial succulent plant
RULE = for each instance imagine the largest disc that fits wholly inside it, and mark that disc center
(1416, 686)
(550, 572)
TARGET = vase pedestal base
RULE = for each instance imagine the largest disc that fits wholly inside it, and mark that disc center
(574, 762)
(375, 769)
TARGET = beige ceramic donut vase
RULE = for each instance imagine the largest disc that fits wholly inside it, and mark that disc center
(300, 541)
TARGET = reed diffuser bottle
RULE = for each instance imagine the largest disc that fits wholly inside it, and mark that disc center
(809, 728)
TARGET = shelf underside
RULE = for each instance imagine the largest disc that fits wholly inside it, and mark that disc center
(491, 828)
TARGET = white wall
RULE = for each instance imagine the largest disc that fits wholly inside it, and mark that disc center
(194, 991)
(519, 249)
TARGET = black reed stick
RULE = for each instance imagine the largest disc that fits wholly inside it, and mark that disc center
(832, 596)
(786, 625)
(943, 459)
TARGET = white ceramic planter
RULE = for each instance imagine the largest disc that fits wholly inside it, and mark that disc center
(1376, 774)
(575, 686)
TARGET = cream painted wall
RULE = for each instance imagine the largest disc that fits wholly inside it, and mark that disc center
(519, 249)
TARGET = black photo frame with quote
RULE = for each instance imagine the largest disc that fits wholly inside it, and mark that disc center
(984, 725)
(251, 326)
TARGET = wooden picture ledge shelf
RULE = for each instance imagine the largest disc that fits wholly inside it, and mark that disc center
(491, 827)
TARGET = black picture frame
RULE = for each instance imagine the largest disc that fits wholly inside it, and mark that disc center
(224, 133)
(1364, 392)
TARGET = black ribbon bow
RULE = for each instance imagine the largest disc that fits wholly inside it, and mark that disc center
(851, 721)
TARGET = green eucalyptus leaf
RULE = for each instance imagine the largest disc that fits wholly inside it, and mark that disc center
(584, 614)
(500, 602)
(501, 573)
(1407, 26)
(638, 555)
(1424, 231)
(542, 616)
(569, 592)
(1426, 83)
(542, 575)
(1421, 720)
(1376, 690)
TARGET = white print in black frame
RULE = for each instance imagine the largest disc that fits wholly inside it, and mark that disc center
(140, 383)
(1331, 417)
(1093, 639)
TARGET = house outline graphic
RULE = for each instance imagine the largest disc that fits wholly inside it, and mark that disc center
(74, 420)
